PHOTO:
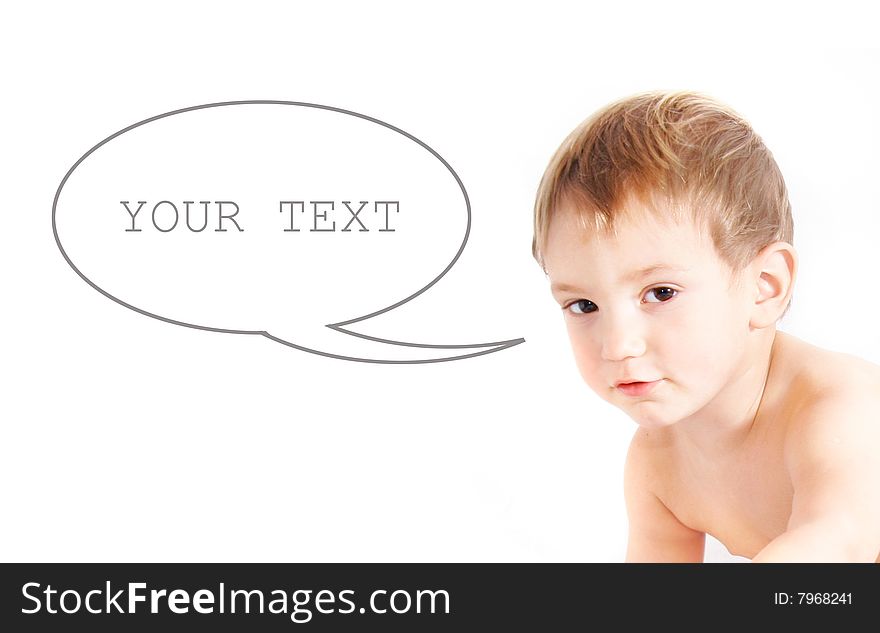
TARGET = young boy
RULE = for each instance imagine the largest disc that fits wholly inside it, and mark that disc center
(664, 226)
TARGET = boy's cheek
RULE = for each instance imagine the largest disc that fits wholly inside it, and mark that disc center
(589, 364)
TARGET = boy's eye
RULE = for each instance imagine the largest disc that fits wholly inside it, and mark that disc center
(582, 306)
(659, 295)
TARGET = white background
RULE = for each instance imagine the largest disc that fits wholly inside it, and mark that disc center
(125, 438)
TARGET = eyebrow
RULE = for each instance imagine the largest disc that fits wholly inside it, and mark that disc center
(650, 270)
(634, 275)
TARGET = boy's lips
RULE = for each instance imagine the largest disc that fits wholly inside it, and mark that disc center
(636, 387)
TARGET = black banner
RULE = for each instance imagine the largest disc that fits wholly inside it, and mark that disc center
(429, 597)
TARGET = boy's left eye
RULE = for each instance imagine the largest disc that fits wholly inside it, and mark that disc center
(659, 295)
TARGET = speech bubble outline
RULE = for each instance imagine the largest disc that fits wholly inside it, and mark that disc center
(494, 346)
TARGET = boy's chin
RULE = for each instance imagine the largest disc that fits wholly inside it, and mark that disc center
(651, 415)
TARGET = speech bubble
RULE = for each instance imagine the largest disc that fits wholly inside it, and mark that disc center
(274, 218)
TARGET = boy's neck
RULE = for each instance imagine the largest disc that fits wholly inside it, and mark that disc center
(726, 422)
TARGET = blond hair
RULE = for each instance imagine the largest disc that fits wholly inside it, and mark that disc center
(672, 151)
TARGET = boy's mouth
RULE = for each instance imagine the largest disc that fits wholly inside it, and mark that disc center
(636, 388)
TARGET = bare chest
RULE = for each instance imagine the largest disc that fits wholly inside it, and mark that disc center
(744, 503)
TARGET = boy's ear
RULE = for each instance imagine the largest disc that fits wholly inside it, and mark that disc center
(774, 270)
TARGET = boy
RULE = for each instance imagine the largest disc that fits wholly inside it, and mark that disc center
(664, 226)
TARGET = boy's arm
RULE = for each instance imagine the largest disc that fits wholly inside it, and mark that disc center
(655, 534)
(832, 459)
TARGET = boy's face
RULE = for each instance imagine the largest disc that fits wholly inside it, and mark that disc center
(656, 321)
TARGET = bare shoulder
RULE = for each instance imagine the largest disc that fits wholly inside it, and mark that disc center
(655, 533)
(829, 390)
(836, 412)
(832, 436)
(649, 460)
(833, 407)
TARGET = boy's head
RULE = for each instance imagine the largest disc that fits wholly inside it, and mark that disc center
(664, 225)
(680, 151)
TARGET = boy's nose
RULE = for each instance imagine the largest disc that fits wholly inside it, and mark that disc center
(621, 341)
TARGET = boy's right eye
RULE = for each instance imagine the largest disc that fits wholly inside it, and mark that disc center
(582, 306)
